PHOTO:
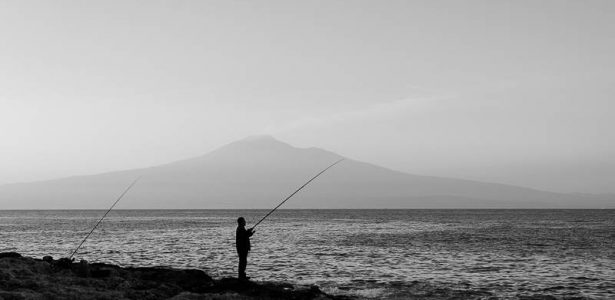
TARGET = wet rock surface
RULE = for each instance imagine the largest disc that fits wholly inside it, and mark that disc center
(29, 278)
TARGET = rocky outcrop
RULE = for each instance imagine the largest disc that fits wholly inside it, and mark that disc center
(29, 278)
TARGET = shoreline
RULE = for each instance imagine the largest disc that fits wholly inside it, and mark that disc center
(32, 278)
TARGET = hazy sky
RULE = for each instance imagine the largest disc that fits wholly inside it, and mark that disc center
(519, 92)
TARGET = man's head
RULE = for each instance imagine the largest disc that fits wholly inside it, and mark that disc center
(241, 221)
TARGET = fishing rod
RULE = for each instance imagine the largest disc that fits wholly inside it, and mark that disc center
(327, 168)
(116, 201)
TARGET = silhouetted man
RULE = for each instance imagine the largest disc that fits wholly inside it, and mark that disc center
(242, 242)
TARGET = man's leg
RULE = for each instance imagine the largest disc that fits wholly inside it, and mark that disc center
(243, 262)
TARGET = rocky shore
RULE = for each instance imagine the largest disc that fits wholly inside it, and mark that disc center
(30, 278)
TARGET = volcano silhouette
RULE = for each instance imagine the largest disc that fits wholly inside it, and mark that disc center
(258, 172)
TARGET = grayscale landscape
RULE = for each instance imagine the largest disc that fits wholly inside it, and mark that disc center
(307, 150)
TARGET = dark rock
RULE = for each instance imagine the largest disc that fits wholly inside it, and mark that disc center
(10, 255)
(100, 273)
(82, 269)
(98, 270)
(48, 259)
(64, 263)
(270, 290)
(189, 280)
(11, 296)
(27, 278)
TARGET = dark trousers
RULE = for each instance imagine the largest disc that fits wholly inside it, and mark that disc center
(243, 262)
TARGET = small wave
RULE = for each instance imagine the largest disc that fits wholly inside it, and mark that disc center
(559, 287)
(484, 269)
(537, 245)
(583, 278)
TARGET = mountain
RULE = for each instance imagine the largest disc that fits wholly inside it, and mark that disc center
(258, 172)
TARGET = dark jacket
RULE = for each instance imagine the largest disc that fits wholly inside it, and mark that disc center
(242, 239)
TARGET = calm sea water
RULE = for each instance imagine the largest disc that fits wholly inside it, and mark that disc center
(367, 253)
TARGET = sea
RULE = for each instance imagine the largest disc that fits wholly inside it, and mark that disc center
(369, 254)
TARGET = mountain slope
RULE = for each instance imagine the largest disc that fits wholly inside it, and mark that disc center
(258, 172)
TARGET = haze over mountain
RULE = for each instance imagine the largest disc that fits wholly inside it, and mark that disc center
(257, 172)
(513, 92)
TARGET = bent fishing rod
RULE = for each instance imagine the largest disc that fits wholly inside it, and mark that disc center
(112, 206)
(300, 188)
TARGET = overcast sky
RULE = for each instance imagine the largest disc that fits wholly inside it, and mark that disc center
(519, 92)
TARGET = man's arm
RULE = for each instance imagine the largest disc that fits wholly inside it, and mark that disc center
(251, 231)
